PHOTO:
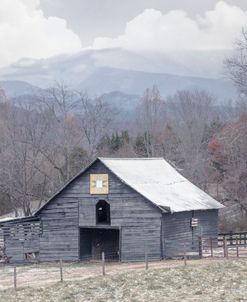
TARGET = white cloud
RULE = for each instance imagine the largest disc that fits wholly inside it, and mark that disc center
(151, 30)
(26, 32)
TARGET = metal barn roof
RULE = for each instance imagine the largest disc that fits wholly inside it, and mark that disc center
(160, 183)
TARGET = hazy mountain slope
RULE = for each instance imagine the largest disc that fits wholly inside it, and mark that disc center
(15, 88)
(121, 100)
(104, 71)
(23, 92)
(76, 67)
(105, 80)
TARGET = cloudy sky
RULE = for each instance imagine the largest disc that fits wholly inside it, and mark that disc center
(44, 28)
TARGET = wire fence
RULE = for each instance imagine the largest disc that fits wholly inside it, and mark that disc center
(176, 253)
(44, 274)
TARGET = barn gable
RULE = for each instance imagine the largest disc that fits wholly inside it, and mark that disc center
(157, 181)
(71, 214)
(98, 163)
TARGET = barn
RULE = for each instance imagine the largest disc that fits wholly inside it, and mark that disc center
(125, 207)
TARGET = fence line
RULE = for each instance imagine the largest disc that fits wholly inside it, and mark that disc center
(199, 247)
(239, 238)
(37, 274)
(228, 246)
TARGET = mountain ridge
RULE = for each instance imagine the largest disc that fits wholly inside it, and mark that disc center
(103, 71)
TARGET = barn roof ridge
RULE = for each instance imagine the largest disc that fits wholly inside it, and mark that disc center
(160, 183)
(164, 209)
(169, 194)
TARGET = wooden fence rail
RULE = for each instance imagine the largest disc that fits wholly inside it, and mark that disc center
(231, 238)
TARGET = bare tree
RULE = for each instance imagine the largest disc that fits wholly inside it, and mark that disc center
(47, 141)
(23, 177)
(229, 156)
(95, 120)
(236, 65)
(150, 120)
(60, 105)
(192, 113)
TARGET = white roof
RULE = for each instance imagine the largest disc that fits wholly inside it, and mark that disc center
(6, 219)
(12, 215)
(160, 183)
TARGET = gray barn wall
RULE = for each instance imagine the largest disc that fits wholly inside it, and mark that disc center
(16, 249)
(16, 246)
(177, 230)
(59, 239)
(208, 223)
(138, 219)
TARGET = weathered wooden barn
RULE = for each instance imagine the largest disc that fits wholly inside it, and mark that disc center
(123, 207)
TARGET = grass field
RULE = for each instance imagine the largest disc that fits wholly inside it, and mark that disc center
(211, 281)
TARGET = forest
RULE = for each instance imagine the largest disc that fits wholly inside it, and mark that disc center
(48, 138)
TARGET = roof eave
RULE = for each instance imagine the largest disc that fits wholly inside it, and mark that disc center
(17, 219)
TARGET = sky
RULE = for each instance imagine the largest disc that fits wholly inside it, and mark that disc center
(93, 18)
(43, 28)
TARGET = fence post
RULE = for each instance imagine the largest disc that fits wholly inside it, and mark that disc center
(146, 259)
(61, 270)
(200, 246)
(15, 278)
(237, 251)
(211, 246)
(231, 238)
(103, 263)
(225, 247)
(185, 255)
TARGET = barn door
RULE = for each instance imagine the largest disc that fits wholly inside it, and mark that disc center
(85, 244)
(94, 241)
(107, 241)
(97, 246)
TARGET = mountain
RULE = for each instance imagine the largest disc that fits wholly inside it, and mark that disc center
(105, 80)
(14, 88)
(105, 71)
(76, 67)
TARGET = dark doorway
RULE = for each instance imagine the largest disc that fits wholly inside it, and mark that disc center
(103, 212)
(94, 241)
